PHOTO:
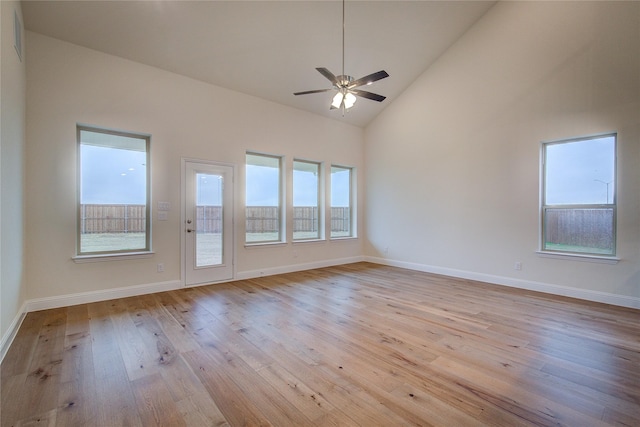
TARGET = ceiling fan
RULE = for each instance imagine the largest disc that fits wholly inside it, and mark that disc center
(347, 85)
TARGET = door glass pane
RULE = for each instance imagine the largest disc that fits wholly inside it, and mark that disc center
(208, 219)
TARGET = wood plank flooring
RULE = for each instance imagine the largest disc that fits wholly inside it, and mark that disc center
(354, 345)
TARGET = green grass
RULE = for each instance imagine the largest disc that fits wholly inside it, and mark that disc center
(262, 237)
(105, 242)
(209, 244)
(298, 235)
(577, 249)
(209, 249)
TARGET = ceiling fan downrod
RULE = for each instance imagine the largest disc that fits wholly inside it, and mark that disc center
(345, 84)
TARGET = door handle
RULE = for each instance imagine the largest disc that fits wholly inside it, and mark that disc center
(189, 230)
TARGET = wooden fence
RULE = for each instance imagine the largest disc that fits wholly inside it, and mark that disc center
(264, 219)
(260, 219)
(305, 218)
(112, 219)
(576, 227)
(592, 228)
(341, 220)
(209, 219)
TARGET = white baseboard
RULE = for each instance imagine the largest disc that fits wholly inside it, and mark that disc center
(12, 331)
(252, 274)
(101, 295)
(130, 291)
(79, 298)
(584, 294)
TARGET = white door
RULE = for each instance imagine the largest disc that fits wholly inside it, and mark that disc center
(207, 223)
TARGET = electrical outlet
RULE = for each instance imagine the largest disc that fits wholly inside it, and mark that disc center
(160, 268)
(517, 266)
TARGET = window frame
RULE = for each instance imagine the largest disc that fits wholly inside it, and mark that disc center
(319, 200)
(544, 207)
(114, 254)
(281, 201)
(352, 209)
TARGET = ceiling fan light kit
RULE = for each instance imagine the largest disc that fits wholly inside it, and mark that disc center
(346, 85)
(346, 99)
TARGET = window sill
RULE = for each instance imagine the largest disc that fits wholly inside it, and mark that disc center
(263, 244)
(579, 257)
(80, 259)
(335, 239)
(295, 242)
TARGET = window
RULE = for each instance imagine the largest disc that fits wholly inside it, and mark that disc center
(579, 196)
(341, 202)
(263, 198)
(113, 192)
(306, 200)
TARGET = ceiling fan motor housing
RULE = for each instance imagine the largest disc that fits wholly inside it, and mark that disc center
(343, 81)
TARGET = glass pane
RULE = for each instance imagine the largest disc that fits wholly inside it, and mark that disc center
(113, 193)
(262, 198)
(209, 223)
(579, 230)
(340, 202)
(305, 200)
(580, 172)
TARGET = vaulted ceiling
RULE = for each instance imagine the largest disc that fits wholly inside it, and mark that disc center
(268, 49)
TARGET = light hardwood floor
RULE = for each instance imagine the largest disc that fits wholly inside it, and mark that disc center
(360, 344)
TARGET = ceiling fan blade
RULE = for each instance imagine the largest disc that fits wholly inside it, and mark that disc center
(368, 95)
(329, 75)
(312, 91)
(369, 79)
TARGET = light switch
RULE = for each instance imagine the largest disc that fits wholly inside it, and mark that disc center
(163, 215)
(164, 206)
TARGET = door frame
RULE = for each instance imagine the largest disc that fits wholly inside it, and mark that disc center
(183, 218)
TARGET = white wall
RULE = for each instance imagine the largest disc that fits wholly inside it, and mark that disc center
(12, 141)
(453, 164)
(68, 84)
(452, 174)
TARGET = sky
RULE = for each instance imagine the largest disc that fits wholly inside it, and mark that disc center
(263, 180)
(580, 172)
(113, 176)
(116, 176)
(576, 173)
